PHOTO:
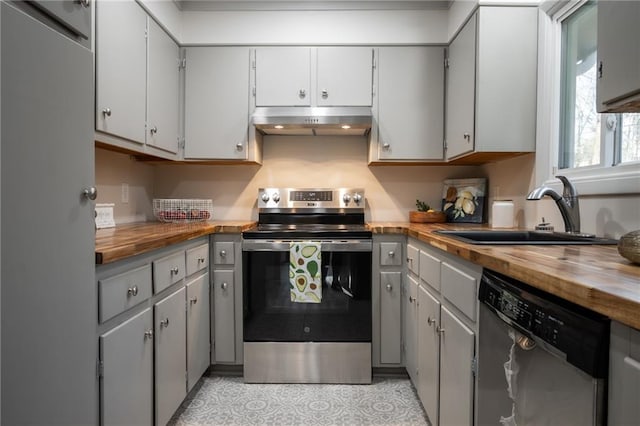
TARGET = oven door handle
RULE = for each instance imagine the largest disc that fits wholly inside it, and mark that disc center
(283, 245)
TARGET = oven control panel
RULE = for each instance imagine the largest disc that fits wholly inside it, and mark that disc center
(311, 198)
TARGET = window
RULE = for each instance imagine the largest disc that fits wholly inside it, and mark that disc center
(587, 138)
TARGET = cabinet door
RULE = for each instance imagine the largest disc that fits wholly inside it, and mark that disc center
(429, 353)
(413, 259)
(171, 349)
(49, 300)
(390, 318)
(283, 76)
(411, 77)
(121, 66)
(344, 76)
(390, 254)
(217, 103)
(457, 348)
(224, 316)
(411, 329)
(618, 51)
(461, 91)
(624, 375)
(198, 334)
(74, 15)
(162, 91)
(127, 381)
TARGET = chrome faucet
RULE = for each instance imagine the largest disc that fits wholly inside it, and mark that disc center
(568, 203)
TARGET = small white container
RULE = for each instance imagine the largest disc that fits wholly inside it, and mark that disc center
(502, 214)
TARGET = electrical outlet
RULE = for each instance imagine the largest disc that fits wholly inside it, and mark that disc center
(125, 193)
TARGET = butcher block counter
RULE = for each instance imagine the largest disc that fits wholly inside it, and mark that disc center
(593, 276)
(131, 239)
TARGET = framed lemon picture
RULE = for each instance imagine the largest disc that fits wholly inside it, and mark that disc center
(463, 200)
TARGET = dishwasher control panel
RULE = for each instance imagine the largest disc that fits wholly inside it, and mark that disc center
(578, 333)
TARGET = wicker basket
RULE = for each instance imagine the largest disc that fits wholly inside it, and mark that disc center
(182, 210)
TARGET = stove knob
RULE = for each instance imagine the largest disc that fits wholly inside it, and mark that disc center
(346, 198)
(265, 197)
(275, 196)
(357, 198)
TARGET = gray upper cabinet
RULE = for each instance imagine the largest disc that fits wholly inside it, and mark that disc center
(162, 91)
(618, 84)
(127, 372)
(72, 14)
(121, 69)
(409, 108)
(310, 76)
(49, 305)
(492, 83)
(217, 104)
(170, 355)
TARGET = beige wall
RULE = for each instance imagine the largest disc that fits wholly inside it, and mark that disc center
(391, 191)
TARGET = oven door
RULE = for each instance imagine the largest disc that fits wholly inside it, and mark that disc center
(342, 315)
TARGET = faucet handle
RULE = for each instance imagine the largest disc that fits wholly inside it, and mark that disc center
(569, 190)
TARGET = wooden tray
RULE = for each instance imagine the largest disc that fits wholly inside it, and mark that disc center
(427, 217)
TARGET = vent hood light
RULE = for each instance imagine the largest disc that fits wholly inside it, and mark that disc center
(313, 121)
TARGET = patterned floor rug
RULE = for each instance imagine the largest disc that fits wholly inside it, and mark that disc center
(223, 400)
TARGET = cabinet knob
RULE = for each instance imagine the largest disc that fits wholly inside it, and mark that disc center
(325, 94)
(409, 260)
(223, 253)
(85, 3)
(106, 112)
(389, 287)
(174, 270)
(132, 291)
(239, 146)
(90, 193)
(302, 93)
(148, 334)
(154, 130)
(201, 260)
(164, 323)
(600, 65)
(412, 299)
(431, 321)
(392, 253)
(193, 301)
(439, 330)
(467, 137)
(386, 146)
(224, 286)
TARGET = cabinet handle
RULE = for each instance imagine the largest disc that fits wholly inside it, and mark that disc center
(325, 94)
(386, 146)
(431, 321)
(302, 93)
(132, 291)
(84, 3)
(224, 286)
(106, 112)
(148, 334)
(174, 270)
(389, 287)
(439, 330)
(223, 253)
(201, 260)
(467, 136)
(164, 323)
(154, 130)
(90, 193)
(600, 65)
(392, 253)
(239, 146)
(193, 301)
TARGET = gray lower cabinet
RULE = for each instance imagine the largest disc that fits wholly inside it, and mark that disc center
(198, 333)
(224, 308)
(429, 353)
(624, 375)
(127, 368)
(170, 353)
(410, 310)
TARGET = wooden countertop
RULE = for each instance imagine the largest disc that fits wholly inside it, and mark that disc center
(131, 239)
(595, 277)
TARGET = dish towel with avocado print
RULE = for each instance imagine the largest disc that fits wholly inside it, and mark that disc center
(305, 277)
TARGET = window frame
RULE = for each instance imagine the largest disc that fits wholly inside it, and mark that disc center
(602, 179)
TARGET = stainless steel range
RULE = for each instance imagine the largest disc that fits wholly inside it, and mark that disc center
(307, 288)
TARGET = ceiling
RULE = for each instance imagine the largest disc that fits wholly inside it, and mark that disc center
(235, 5)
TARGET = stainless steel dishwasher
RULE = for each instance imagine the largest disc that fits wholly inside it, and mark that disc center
(541, 360)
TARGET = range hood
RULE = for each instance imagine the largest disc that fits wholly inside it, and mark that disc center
(313, 121)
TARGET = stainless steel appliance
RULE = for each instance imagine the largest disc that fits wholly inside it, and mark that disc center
(541, 359)
(328, 341)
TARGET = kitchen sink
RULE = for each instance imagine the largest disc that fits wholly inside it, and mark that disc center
(524, 237)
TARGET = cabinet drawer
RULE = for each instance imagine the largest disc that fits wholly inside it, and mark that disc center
(197, 259)
(390, 254)
(167, 271)
(223, 253)
(413, 259)
(430, 270)
(460, 289)
(123, 291)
